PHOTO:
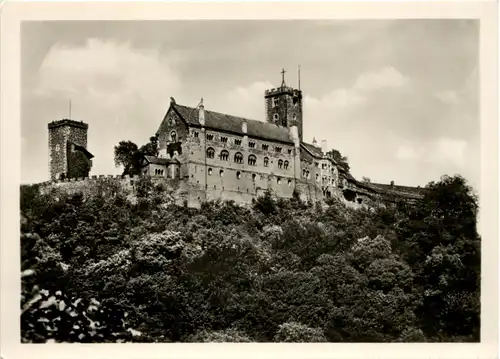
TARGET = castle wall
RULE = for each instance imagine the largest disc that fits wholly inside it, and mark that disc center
(172, 189)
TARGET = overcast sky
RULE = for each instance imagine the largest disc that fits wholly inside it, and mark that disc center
(399, 98)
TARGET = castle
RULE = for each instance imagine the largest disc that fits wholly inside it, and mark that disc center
(212, 155)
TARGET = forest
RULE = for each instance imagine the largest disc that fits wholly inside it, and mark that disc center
(102, 268)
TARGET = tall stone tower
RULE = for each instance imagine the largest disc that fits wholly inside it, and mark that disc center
(284, 106)
(63, 136)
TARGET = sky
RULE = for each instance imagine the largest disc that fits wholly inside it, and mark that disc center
(398, 98)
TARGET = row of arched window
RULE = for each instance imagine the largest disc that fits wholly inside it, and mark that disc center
(238, 158)
(254, 176)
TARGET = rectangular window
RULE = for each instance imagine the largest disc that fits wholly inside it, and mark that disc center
(195, 134)
(251, 144)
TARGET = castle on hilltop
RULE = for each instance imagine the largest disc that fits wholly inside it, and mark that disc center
(211, 155)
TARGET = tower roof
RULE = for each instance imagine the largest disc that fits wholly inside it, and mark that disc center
(66, 122)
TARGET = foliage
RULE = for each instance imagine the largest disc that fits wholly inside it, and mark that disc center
(129, 155)
(279, 270)
(342, 161)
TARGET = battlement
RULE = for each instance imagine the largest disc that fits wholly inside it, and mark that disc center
(67, 122)
(283, 90)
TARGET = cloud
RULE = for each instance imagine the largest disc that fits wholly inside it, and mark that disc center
(245, 101)
(120, 91)
(446, 152)
(448, 97)
(387, 77)
(104, 68)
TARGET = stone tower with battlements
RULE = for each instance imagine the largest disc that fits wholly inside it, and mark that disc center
(63, 136)
(284, 106)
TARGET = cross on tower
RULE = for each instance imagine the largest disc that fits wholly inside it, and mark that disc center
(283, 77)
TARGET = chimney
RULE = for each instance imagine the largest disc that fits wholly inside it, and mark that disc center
(201, 116)
(244, 127)
(293, 132)
(392, 184)
(314, 141)
(323, 147)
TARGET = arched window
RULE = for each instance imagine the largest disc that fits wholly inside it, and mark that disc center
(285, 165)
(209, 171)
(266, 162)
(253, 177)
(210, 152)
(173, 136)
(221, 173)
(238, 157)
(304, 173)
(278, 180)
(238, 175)
(289, 183)
(308, 175)
(276, 117)
(252, 160)
(280, 163)
(224, 155)
(317, 177)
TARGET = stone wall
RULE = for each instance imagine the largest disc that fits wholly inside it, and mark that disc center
(286, 103)
(88, 186)
(60, 132)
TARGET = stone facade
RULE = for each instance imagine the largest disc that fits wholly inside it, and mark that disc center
(62, 133)
(232, 158)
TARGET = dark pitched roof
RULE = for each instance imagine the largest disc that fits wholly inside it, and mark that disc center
(315, 151)
(160, 161)
(229, 123)
(84, 150)
(396, 188)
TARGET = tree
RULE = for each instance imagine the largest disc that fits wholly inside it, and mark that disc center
(341, 160)
(298, 333)
(128, 155)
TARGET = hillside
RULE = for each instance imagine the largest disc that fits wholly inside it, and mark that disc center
(102, 268)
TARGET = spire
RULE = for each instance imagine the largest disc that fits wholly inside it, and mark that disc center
(283, 78)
